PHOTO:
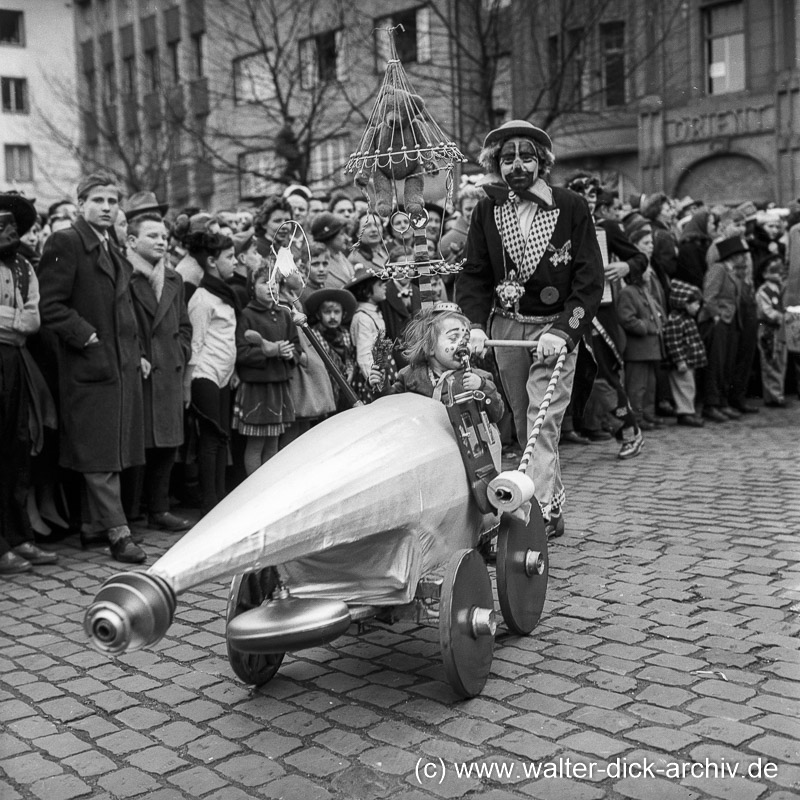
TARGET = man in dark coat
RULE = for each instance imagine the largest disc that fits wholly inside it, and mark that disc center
(167, 343)
(533, 271)
(86, 303)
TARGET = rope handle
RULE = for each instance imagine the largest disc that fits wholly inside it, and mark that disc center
(543, 406)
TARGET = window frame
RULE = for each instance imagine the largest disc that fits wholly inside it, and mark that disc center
(9, 149)
(238, 98)
(310, 64)
(20, 26)
(607, 54)
(709, 38)
(11, 81)
(422, 36)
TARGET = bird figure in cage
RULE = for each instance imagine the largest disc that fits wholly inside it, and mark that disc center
(396, 140)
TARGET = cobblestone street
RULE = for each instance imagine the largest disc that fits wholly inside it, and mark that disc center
(668, 647)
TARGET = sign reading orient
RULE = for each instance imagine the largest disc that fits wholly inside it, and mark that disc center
(728, 122)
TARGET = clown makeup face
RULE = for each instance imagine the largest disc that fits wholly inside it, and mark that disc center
(452, 335)
(519, 165)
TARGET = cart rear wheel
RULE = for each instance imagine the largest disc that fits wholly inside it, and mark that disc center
(249, 591)
(522, 570)
(467, 622)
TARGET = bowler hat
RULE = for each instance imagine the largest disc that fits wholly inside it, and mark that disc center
(23, 210)
(730, 247)
(144, 203)
(345, 299)
(517, 127)
(326, 225)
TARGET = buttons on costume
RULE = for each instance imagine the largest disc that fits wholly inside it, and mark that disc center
(549, 295)
(578, 314)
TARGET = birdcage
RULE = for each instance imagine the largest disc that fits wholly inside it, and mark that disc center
(402, 148)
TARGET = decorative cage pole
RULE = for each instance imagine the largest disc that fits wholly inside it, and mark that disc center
(400, 149)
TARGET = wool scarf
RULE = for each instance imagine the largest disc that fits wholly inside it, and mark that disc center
(220, 289)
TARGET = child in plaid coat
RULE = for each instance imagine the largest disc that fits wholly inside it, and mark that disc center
(684, 349)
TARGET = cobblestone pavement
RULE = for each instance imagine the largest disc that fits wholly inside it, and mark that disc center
(669, 638)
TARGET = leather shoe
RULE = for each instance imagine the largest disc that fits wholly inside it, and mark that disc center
(714, 414)
(124, 549)
(12, 564)
(745, 408)
(554, 527)
(632, 447)
(690, 420)
(164, 521)
(94, 539)
(730, 413)
(30, 552)
(573, 437)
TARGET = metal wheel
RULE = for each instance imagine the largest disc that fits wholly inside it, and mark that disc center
(467, 622)
(522, 570)
(248, 591)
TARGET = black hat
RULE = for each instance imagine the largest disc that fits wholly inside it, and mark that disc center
(731, 247)
(23, 210)
(362, 274)
(326, 225)
(345, 299)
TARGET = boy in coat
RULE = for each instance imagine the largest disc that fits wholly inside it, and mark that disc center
(166, 342)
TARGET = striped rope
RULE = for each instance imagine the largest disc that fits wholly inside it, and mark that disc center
(543, 406)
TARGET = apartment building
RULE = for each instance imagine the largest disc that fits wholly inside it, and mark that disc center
(38, 125)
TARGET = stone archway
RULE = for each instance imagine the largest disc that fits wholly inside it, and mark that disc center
(729, 179)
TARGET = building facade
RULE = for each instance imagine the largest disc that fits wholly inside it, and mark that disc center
(215, 103)
(37, 59)
(695, 97)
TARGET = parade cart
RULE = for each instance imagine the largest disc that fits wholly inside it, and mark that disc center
(346, 524)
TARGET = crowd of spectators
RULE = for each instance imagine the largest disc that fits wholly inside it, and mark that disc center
(151, 361)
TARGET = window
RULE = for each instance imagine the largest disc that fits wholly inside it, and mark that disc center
(612, 42)
(197, 54)
(725, 54)
(252, 79)
(327, 161)
(322, 59)
(152, 70)
(19, 163)
(12, 29)
(501, 90)
(128, 75)
(259, 174)
(412, 44)
(109, 85)
(174, 62)
(15, 95)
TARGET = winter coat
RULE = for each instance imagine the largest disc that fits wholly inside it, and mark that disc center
(762, 249)
(682, 341)
(692, 249)
(640, 316)
(273, 324)
(720, 294)
(86, 290)
(567, 279)
(415, 378)
(167, 342)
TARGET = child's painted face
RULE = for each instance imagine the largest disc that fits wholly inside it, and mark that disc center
(330, 314)
(318, 269)
(452, 336)
(693, 307)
